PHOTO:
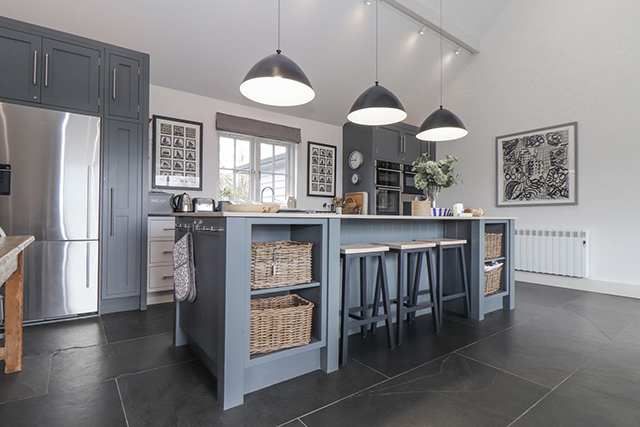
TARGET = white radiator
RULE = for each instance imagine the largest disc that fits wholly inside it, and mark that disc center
(559, 252)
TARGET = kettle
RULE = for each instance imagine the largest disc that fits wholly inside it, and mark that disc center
(182, 203)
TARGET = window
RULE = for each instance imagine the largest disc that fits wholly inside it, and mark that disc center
(248, 165)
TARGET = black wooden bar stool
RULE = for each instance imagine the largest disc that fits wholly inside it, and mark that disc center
(411, 256)
(458, 246)
(362, 252)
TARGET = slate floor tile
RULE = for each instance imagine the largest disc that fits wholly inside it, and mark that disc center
(547, 296)
(451, 391)
(628, 306)
(420, 345)
(545, 350)
(52, 337)
(501, 319)
(72, 368)
(185, 395)
(294, 423)
(31, 381)
(156, 319)
(96, 405)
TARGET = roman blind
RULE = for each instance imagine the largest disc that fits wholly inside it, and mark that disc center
(245, 126)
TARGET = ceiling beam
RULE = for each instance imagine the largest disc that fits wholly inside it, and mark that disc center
(431, 19)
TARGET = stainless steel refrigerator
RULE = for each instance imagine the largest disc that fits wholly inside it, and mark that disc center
(55, 196)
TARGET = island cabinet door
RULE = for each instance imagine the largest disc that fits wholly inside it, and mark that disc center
(20, 64)
(122, 214)
(71, 76)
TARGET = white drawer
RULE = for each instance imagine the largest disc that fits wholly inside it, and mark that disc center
(161, 278)
(162, 229)
(160, 252)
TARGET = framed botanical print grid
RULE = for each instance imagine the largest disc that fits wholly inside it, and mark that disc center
(177, 154)
(321, 173)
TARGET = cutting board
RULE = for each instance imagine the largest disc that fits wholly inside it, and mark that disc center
(361, 201)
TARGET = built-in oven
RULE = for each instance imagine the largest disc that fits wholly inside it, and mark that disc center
(388, 200)
(409, 181)
(388, 174)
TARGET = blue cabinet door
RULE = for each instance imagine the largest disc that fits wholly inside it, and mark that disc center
(20, 65)
(123, 97)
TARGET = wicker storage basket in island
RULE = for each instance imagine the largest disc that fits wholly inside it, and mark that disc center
(280, 263)
(492, 281)
(492, 245)
(280, 322)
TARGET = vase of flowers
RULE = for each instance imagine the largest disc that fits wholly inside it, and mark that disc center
(433, 176)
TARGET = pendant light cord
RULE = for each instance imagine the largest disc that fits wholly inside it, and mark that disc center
(377, 2)
(278, 28)
(441, 54)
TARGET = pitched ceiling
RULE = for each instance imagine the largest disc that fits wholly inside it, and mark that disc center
(207, 46)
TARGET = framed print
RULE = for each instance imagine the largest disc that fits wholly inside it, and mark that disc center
(177, 154)
(321, 176)
(538, 167)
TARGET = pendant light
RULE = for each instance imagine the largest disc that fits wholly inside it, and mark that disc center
(442, 124)
(277, 80)
(377, 106)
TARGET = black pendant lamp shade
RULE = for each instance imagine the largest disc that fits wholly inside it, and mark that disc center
(377, 106)
(277, 80)
(442, 125)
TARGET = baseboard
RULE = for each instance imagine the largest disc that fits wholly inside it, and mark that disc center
(589, 285)
(159, 297)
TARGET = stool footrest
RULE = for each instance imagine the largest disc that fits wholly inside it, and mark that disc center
(356, 316)
(367, 321)
(453, 296)
(424, 306)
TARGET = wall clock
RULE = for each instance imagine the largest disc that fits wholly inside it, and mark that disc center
(355, 160)
(356, 178)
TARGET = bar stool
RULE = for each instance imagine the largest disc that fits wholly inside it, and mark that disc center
(458, 245)
(414, 253)
(362, 252)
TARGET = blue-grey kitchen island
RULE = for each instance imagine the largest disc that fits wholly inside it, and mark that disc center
(217, 324)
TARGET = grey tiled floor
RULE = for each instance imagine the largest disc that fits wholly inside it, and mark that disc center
(562, 358)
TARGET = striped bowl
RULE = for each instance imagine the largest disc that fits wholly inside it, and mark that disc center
(441, 212)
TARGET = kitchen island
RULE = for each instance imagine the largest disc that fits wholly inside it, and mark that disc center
(217, 324)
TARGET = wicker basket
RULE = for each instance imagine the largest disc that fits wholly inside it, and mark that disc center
(280, 322)
(492, 281)
(281, 263)
(492, 245)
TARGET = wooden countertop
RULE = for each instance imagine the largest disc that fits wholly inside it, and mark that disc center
(10, 247)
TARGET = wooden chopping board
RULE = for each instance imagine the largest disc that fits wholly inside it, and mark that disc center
(361, 201)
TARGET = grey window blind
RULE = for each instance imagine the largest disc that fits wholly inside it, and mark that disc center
(245, 126)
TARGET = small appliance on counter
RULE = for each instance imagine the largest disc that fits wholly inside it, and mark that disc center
(182, 203)
(202, 204)
(160, 203)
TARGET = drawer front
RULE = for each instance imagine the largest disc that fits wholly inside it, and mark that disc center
(161, 278)
(160, 252)
(162, 229)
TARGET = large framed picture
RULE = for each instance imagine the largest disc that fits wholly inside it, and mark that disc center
(177, 154)
(538, 167)
(321, 173)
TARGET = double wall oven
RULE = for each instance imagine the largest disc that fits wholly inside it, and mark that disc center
(394, 188)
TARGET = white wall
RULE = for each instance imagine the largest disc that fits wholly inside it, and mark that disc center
(183, 105)
(548, 62)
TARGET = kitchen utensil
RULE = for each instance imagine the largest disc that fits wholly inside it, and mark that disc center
(361, 201)
(182, 203)
(202, 204)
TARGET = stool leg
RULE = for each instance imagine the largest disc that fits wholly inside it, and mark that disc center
(416, 284)
(400, 297)
(411, 261)
(385, 298)
(376, 304)
(344, 338)
(440, 284)
(432, 291)
(465, 281)
(363, 295)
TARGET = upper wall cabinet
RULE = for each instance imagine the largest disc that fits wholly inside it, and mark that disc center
(20, 65)
(71, 76)
(387, 142)
(123, 97)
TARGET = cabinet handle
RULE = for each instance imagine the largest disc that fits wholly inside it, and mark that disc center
(167, 277)
(167, 252)
(35, 67)
(169, 229)
(112, 212)
(114, 83)
(46, 70)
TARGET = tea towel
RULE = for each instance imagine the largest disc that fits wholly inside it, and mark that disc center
(184, 272)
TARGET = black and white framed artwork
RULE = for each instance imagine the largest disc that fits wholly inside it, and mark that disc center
(538, 167)
(177, 154)
(321, 171)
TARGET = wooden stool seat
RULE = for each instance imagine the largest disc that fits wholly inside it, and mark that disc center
(362, 248)
(444, 242)
(413, 244)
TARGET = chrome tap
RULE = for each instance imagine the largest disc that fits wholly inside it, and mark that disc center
(273, 193)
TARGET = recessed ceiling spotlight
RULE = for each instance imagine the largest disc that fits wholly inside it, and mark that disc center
(422, 30)
(368, 3)
(458, 50)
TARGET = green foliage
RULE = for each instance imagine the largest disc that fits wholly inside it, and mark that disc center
(435, 175)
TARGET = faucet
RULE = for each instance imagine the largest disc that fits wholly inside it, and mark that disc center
(273, 193)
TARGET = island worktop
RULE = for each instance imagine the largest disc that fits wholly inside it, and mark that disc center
(217, 324)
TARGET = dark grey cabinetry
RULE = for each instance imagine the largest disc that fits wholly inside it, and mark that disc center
(122, 226)
(412, 147)
(123, 95)
(398, 143)
(71, 76)
(387, 143)
(20, 64)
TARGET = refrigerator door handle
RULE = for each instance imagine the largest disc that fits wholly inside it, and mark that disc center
(112, 212)
(88, 201)
(87, 270)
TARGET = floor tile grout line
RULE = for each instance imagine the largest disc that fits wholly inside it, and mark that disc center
(303, 423)
(50, 370)
(124, 411)
(502, 370)
(569, 376)
(369, 367)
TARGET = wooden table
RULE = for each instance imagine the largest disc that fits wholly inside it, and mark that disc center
(11, 271)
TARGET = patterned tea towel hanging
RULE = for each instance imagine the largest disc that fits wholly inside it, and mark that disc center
(184, 276)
